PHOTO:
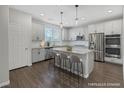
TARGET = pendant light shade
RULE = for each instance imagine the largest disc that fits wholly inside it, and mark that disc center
(61, 23)
(76, 16)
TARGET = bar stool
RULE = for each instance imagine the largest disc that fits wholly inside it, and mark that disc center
(64, 60)
(56, 57)
(76, 60)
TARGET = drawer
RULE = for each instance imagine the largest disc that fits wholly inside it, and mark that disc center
(113, 60)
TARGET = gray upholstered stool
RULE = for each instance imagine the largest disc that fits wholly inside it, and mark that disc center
(78, 64)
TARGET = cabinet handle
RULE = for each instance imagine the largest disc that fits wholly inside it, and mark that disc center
(38, 52)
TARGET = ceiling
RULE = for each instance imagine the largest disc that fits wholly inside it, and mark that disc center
(86, 13)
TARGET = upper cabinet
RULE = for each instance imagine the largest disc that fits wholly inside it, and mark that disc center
(117, 26)
(37, 31)
(92, 28)
(109, 27)
(100, 28)
(113, 27)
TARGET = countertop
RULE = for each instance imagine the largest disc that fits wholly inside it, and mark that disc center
(59, 46)
(74, 50)
(45, 47)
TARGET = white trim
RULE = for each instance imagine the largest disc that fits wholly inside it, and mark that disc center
(86, 75)
(29, 65)
(4, 83)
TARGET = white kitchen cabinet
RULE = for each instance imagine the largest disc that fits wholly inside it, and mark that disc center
(113, 60)
(92, 28)
(117, 26)
(100, 28)
(38, 54)
(113, 27)
(42, 55)
(19, 36)
(37, 31)
(48, 53)
(108, 28)
(35, 55)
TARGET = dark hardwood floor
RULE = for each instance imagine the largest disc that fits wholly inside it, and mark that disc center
(44, 75)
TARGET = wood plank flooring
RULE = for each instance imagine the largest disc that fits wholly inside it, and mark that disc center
(44, 75)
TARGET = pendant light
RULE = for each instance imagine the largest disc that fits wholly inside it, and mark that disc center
(76, 16)
(61, 24)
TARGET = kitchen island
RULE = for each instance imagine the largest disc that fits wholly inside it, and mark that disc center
(86, 56)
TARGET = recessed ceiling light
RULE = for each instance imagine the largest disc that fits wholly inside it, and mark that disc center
(109, 11)
(42, 14)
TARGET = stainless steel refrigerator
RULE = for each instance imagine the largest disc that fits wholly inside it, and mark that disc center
(96, 43)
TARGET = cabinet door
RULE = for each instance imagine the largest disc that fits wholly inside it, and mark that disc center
(100, 28)
(35, 55)
(42, 55)
(18, 46)
(117, 26)
(108, 28)
(92, 28)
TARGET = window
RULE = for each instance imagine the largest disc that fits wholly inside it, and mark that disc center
(52, 33)
(48, 34)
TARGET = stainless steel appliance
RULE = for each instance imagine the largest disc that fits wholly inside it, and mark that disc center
(113, 46)
(96, 43)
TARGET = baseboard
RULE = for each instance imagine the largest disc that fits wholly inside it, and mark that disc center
(29, 65)
(4, 83)
(86, 75)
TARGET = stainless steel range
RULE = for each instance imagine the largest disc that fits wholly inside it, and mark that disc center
(113, 46)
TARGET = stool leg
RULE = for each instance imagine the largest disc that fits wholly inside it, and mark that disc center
(54, 60)
(82, 68)
(54, 63)
(78, 73)
(70, 65)
(63, 63)
(60, 61)
(70, 70)
(73, 68)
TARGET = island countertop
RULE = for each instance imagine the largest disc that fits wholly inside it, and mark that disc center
(75, 50)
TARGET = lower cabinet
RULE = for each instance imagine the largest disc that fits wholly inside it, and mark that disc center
(40, 54)
(113, 60)
(47, 53)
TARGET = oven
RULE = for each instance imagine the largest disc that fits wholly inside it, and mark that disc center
(113, 46)
(113, 52)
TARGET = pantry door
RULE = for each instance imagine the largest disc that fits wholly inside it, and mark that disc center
(18, 46)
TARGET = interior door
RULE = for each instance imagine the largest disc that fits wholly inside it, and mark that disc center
(17, 46)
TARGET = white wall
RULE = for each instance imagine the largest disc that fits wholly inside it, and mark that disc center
(4, 64)
(23, 21)
(122, 41)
